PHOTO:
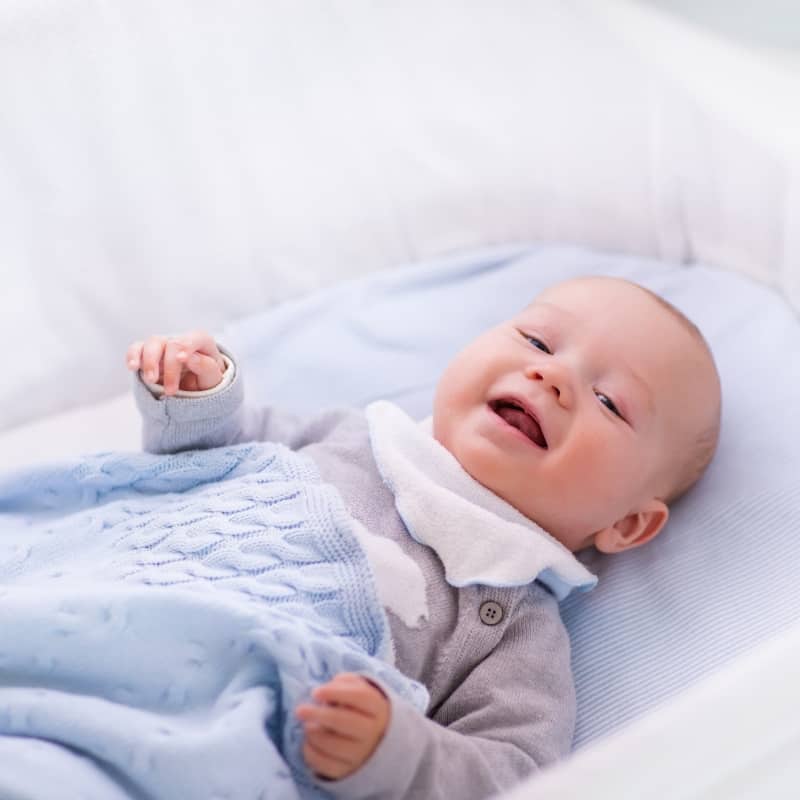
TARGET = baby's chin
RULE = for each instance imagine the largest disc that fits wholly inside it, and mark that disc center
(478, 460)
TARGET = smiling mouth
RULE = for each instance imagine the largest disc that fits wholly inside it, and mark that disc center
(514, 414)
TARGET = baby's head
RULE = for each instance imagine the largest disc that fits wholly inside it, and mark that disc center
(589, 411)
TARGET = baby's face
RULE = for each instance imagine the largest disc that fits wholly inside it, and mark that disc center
(572, 411)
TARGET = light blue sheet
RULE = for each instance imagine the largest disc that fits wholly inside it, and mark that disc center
(721, 579)
(162, 616)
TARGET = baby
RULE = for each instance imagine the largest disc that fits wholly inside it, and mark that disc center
(573, 424)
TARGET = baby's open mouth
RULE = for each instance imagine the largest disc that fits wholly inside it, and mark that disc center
(520, 418)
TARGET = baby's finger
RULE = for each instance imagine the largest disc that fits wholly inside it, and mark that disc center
(152, 351)
(202, 342)
(345, 722)
(206, 370)
(173, 366)
(133, 355)
(335, 746)
(323, 764)
(361, 697)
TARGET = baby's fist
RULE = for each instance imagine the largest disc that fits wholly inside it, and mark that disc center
(191, 361)
(344, 728)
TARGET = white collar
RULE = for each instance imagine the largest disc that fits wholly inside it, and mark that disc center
(478, 536)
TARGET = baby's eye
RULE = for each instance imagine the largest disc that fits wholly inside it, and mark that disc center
(538, 343)
(608, 403)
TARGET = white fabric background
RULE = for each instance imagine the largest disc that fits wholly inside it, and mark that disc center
(168, 164)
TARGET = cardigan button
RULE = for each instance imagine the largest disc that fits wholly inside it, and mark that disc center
(490, 612)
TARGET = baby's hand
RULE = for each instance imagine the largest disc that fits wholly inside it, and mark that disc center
(191, 362)
(344, 730)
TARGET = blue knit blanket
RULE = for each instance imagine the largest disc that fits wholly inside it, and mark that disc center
(162, 616)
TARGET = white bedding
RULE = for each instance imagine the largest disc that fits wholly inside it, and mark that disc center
(663, 616)
(656, 622)
(168, 164)
(108, 425)
(735, 736)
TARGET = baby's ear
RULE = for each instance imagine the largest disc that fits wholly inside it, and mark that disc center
(633, 530)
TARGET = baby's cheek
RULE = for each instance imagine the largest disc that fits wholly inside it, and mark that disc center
(600, 465)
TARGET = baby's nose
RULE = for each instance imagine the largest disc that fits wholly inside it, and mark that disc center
(555, 379)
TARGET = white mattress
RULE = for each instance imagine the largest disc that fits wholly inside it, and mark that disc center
(735, 736)
(109, 425)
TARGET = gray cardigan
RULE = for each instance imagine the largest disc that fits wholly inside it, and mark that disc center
(502, 701)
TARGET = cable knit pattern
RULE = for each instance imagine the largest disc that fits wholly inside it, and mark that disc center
(138, 587)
